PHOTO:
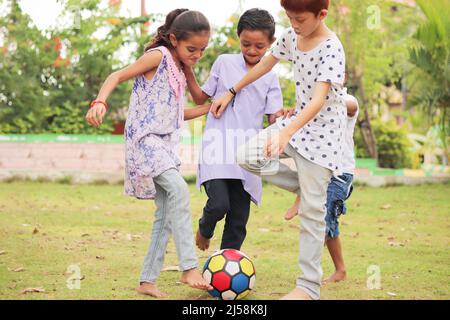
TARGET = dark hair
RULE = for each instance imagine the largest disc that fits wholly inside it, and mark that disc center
(182, 23)
(257, 19)
(314, 6)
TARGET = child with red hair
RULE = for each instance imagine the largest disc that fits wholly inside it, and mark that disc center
(312, 137)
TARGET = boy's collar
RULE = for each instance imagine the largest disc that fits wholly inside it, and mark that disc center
(242, 61)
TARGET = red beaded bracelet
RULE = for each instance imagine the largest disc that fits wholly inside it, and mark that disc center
(98, 101)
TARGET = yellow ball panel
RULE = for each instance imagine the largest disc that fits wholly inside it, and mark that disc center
(216, 263)
(243, 295)
(247, 267)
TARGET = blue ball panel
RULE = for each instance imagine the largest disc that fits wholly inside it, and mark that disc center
(239, 283)
(214, 293)
(206, 263)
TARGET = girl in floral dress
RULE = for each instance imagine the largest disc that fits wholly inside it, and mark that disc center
(152, 134)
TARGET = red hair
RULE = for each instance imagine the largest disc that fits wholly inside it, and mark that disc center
(314, 6)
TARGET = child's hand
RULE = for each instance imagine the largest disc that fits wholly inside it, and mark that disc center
(95, 115)
(219, 106)
(276, 144)
(285, 113)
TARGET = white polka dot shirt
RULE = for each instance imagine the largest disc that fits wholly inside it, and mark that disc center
(321, 139)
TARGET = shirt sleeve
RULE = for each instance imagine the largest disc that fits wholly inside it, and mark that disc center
(274, 99)
(332, 63)
(210, 86)
(283, 48)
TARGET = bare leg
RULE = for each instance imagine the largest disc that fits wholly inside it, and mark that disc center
(335, 249)
(293, 211)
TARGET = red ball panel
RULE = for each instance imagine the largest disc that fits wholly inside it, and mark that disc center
(232, 255)
(221, 281)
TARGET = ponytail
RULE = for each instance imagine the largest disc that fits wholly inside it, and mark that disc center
(180, 22)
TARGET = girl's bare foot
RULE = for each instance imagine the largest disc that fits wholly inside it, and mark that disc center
(297, 294)
(336, 277)
(150, 289)
(194, 279)
(293, 211)
(201, 242)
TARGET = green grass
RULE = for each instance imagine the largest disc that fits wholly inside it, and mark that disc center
(106, 235)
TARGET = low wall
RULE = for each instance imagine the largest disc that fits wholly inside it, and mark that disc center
(81, 161)
(86, 159)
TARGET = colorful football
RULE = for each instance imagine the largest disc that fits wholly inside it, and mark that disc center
(231, 273)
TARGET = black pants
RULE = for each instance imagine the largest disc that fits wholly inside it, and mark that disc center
(226, 197)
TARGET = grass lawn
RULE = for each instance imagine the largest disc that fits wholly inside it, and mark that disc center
(45, 228)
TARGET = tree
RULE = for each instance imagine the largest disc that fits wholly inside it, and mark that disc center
(26, 57)
(430, 53)
(92, 45)
(49, 77)
(374, 37)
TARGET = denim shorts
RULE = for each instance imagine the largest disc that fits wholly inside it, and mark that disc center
(337, 193)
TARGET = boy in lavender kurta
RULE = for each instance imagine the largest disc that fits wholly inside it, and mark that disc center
(230, 189)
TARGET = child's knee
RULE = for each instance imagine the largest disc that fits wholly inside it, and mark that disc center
(218, 207)
(247, 158)
(179, 190)
(313, 211)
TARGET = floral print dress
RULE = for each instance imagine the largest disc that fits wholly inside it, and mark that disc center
(152, 129)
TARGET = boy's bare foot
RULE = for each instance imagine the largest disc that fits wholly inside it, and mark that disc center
(194, 279)
(336, 277)
(292, 211)
(201, 242)
(150, 289)
(297, 294)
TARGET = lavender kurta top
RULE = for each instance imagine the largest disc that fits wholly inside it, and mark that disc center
(241, 120)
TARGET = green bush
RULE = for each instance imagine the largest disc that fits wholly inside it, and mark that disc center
(47, 79)
(360, 149)
(394, 147)
(69, 119)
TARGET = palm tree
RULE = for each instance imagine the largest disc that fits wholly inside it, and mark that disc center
(431, 55)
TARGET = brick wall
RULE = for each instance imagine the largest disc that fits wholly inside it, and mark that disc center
(90, 162)
(82, 161)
